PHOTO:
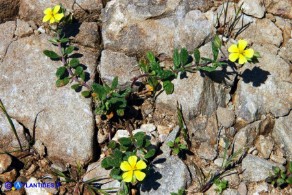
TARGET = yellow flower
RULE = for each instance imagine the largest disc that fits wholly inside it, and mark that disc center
(132, 169)
(53, 15)
(239, 52)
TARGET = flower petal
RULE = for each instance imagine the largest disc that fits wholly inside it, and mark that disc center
(48, 11)
(47, 17)
(242, 45)
(233, 49)
(141, 165)
(125, 166)
(248, 53)
(139, 175)
(233, 57)
(242, 59)
(52, 20)
(56, 9)
(132, 161)
(58, 17)
(127, 176)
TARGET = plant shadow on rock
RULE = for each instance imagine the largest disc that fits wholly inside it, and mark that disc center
(151, 180)
(257, 76)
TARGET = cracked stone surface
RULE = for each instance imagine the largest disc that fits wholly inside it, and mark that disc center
(6, 36)
(28, 87)
(33, 9)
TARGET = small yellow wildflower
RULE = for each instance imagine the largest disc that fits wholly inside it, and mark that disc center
(240, 52)
(53, 15)
(132, 169)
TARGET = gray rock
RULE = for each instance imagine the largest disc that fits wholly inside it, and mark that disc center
(117, 64)
(23, 29)
(134, 26)
(88, 35)
(286, 52)
(281, 8)
(230, 191)
(263, 31)
(193, 31)
(246, 136)
(5, 162)
(203, 99)
(264, 87)
(242, 189)
(204, 129)
(202, 5)
(232, 178)
(33, 9)
(40, 148)
(253, 7)
(206, 151)
(286, 26)
(170, 138)
(7, 32)
(95, 171)
(28, 88)
(225, 117)
(7, 137)
(161, 177)
(8, 10)
(256, 169)
(282, 134)
(259, 188)
(33, 191)
(265, 146)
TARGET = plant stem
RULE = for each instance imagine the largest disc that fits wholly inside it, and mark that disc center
(67, 67)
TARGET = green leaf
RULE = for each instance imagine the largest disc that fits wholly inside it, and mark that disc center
(176, 59)
(99, 89)
(51, 54)
(115, 83)
(215, 51)
(74, 62)
(289, 180)
(184, 55)
(54, 41)
(217, 41)
(290, 167)
(79, 70)
(61, 71)
(207, 59)
(140, 137)
(168, 87)
(257, 54)
(75, 86)
(208, 68)
(175, 151)
(120, 112)
(125, 141)
(150, 56)
(150, 153)
(280, 181)
(183, 147)
(147, 143)
(197, 56)
(62, 82)
(105, 163)
(276, 170)
(166, 75)
(82, 76)
(112, 144)
(170, 144)
(86, 94)
(115, 174)
(69, 49)
(64, 40)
